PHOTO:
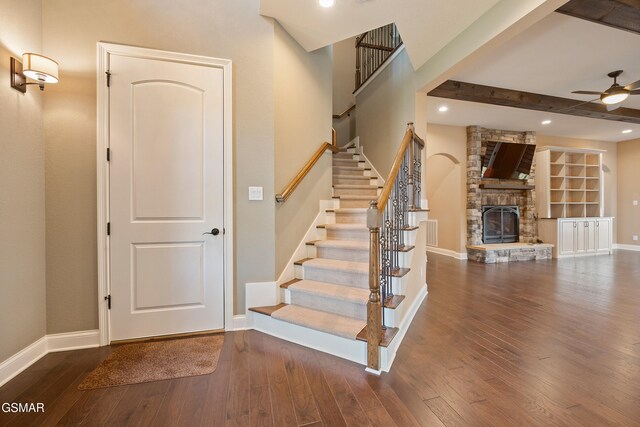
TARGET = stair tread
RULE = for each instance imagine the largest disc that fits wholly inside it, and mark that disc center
(387, 336)
(345, 226)
(289, 283)
(355, 187)
(351, 168)
(332, 290)
(337, 264)
(348, 210)
(301, 261)
(394, 301)
(346, 327)
(362, 178)
(342, 244)
(355, 197)
(267, 310)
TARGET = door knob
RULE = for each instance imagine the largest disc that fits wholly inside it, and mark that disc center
(213, 232)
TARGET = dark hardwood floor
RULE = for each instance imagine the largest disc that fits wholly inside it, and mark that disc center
(531, 343)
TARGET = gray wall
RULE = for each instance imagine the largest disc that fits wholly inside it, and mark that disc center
(22, 200)
(383, 109)
(302, 124)
(224, 29)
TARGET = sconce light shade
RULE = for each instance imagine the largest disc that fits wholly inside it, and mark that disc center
(41, 68)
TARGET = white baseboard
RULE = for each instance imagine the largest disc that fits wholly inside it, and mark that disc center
(240, 323)
(22, 360)
(446, 252)
(623, 247)
(47, 344)
(73, 341)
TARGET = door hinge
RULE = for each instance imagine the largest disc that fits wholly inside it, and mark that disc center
(108, 154)
(108, 300)
(108, 73)
(108, 229)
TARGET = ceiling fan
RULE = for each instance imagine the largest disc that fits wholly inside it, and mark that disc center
(613, 96)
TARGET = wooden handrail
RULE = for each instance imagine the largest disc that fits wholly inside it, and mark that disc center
(345, 112)
(397, 163)
(282, 197)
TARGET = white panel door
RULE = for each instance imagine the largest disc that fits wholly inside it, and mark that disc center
(166, 190)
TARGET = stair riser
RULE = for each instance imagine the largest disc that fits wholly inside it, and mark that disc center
(346, 203)
(347, 234)
(347, 163)
(346, 156)
(329, 305)
(350, 172)
(353, 181)
(347, 278)
(351, 218)
(373, 192)
(356, 255)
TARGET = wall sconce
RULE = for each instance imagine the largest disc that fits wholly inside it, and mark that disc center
(33, 66)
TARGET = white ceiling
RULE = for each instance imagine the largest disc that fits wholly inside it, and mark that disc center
(558, 55)
(426, 26)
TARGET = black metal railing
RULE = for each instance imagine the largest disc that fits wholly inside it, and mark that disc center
(388, 220)
(373, 48)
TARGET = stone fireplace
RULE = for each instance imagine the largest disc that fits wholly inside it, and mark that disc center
(512, 193)
(500, 211)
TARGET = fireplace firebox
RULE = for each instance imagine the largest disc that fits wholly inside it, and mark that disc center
(500, 224)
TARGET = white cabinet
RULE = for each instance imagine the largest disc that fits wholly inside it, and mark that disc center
(577, 236)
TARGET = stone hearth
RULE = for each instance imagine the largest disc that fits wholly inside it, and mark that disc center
(509, 252)
(478, 197)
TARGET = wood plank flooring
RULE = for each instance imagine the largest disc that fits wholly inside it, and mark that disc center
(530, 343)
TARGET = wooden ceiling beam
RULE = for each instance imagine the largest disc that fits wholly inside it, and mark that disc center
(462, 91)
(621, 14)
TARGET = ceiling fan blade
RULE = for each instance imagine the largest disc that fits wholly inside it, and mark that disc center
(633, 86)
(586, 92)
(612, 107)
(635, 92)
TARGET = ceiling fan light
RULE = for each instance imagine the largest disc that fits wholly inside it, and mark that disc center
(614, 97)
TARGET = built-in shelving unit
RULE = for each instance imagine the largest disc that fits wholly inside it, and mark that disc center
(569, 182)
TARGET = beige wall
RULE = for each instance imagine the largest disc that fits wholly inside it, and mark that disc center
(628, 220)
(344, 68)
(224, 29)
(446, 184)
(22, 202)
(384, 107)
(302, 124)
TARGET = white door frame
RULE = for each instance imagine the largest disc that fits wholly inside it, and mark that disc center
(104, 284)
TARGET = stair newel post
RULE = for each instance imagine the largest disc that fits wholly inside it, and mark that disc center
(410, 180)
(374, 306)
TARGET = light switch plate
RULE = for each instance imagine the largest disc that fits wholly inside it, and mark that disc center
(635, 203)
(635, 237)
(255, 193)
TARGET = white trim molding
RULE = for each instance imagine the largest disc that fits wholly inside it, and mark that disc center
(29, 355)
(104, 52)
(461, 256)
(623, 247)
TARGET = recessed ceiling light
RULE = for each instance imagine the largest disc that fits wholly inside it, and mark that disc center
(626, 131)
(546, 122)
(327, 3)
(443, 109)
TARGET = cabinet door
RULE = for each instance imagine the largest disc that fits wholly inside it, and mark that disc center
(581, 236)
(567, 240)
(590, 235)
(603, 235)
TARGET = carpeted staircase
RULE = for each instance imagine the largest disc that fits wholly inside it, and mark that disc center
(331, 287)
